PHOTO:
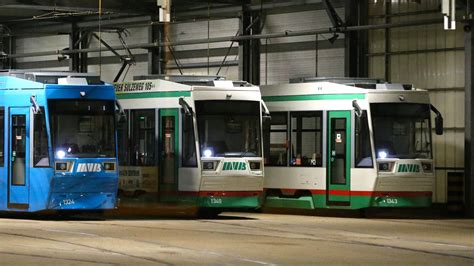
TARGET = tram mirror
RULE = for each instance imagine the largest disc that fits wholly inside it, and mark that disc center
(120, 115)
(266, 118)
(265, 112)
(438, 120)
(36, 108)
(439, 125)
(187, 109)
(357, 109)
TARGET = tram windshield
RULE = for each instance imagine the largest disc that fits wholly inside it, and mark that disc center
(229, 128)
(401, 130)
(82, 128)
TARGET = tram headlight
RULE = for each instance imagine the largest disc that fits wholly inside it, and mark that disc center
(60, 154)
(427, 167)
(62, 167)
(385, 166)
(206, 165)
(382, 154)
(207, 152)
(109, 166)
(255, 165)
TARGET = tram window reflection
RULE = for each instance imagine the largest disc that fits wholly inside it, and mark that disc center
(41, 154)
(306, 139)
(276, 139)
(82, 128)
(189, 143)
(143, 138)
(2, 133)
(124, 140)
(363, 152)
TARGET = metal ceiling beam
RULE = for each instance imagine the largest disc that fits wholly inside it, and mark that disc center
(231, 11)
(50, 28)
(332, 14)
(242, 37)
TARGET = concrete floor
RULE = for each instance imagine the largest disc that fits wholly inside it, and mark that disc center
(237, 238)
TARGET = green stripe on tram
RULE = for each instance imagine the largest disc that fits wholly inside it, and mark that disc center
(153, 94)
(313, 97)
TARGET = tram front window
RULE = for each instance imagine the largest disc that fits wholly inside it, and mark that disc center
(82, 128)
(229, 128)
(401, 130)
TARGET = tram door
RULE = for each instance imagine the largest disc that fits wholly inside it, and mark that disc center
(338, 158)
(19, 150)
(169, 138)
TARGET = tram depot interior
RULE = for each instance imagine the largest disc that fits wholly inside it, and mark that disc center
(221, 109)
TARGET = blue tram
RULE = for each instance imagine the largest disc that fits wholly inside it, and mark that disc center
(59, 149)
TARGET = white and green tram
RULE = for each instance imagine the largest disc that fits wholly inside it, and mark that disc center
(191, 140)
(348, 144)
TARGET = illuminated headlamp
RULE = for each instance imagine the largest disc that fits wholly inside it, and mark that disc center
(207, 152)
(382, 154)
(60, 154)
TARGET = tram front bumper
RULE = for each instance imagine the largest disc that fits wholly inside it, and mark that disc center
(82, 201)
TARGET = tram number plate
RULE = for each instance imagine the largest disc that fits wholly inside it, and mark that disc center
(390, 201)
(67, 202)
(216, 201)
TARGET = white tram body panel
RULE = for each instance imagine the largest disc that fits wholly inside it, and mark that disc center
(403, 177)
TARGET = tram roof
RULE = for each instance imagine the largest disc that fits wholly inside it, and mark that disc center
(364, 83)
(48, 77)
(195, 80)
(163, 83)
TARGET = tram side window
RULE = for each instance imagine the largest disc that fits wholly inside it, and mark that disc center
(306, 139)
(363, 152)
(124, 141)
(143, 138)
(275, 141)
(40, 137)
(2, 134)
(189, 143)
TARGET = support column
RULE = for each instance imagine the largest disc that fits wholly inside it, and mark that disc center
(5, 48)
(469, 118)
(73, 44)
(156, 55)
(356, 42)
(249, 51)
(78, 40)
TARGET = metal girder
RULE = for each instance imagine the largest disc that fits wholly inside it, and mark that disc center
(332, 14)
(249, 50)
(241, 37)
(41, 28)
(356, 42)
(469, 119)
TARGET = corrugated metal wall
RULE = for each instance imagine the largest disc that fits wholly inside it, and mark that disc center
(431, 58)
(41, 44)
(281, 59)
(293, 57)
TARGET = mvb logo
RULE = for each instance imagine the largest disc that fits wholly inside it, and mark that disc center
(89, 167)
(405, 168)
(236, 166)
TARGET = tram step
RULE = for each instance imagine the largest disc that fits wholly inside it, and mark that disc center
(305, 202)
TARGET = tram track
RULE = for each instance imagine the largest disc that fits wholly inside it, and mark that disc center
(153, 260)
(366, 243)
(265, 228)
(55, 258)
(159, 244)
(314, 237)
